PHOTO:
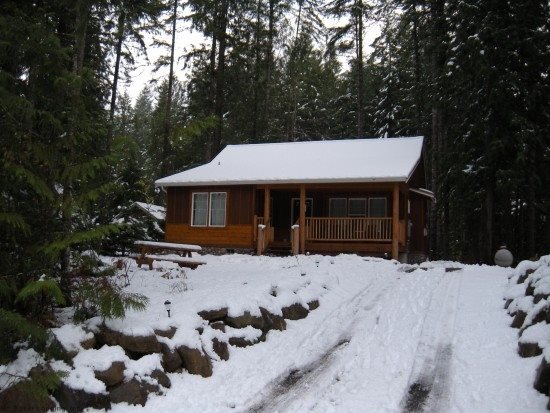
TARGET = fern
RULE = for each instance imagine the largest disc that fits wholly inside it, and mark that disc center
(13, 328)
(37, 289)
(15, 221)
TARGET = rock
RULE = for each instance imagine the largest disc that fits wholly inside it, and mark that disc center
(530, 290)
(519, 319)
(313, 305)
(529, 349)
(88, 343)
(134, 344)
(272, 321)
(507, 303)
(195, 361)
(221, 349)
(113, 375)
(540, 297)
(161, 378)
(218, 325)
(241, 342)
(245, 320)
(75, 401)
(294, 312)
(171, 360)
(132, 392)
(140, 344)
(166, 333)
(213, 315)
(542, 378)
(523, 277)
(17, 399)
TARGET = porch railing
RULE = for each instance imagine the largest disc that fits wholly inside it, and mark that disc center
(348, 229)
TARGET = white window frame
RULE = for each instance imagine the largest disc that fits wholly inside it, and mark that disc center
(385, 206)
(210, 210)
(330, 207)
(193, 208)
(357, 215)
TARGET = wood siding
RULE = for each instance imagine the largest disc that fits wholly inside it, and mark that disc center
(231, 236)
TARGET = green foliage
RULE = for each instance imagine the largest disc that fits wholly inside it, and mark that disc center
(40, 289)
(104, 297)
(42, 382)
(13, 328)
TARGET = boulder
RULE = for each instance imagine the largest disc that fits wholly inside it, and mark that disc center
(529, 349)
(18, 398)
(540, 297)
(171, 360)
(241, 342)
(132, 392)
(507, 303)
(161, 378)
(313, 305)
(169, 333)
(75, 401)
(244, 320)
(221, 349)
(113, 375)
(213, 315)
(519, 319)
(218, 325)
(272, 321)
(530, 290)
(88, 343)
(523, 277)
(135, 344)
(542, 378)
(195, 361)
(294, 312)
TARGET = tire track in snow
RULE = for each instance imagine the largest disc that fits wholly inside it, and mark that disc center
(285, 389)
(429, 381)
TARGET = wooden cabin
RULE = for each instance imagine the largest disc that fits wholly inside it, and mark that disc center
(363, 196)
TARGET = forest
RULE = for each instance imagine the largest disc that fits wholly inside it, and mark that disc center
(471, 76)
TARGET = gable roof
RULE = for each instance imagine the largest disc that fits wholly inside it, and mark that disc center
(350, 160)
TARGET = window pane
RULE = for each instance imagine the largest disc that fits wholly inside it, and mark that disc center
(377, 207)
(357, 207)
(217, 209)
(200, 209)
(338, 207)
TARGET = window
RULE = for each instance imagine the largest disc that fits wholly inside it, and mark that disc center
(200, 209)
(217, 209)
(377, 207)
(338, 207)
(357, 207)
(208, 209)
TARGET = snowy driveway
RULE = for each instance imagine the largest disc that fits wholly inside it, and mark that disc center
(383, 340)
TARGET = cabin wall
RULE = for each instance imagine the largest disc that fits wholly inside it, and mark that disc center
(237, 232)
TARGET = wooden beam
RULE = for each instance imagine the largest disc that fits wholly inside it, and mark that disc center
(395, 223)
(302, 219)
(267, 204)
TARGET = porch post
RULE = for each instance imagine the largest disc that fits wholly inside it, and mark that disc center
(267, 204)
(302, 218)
(395, 223)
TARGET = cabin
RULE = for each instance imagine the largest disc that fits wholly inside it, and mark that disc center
(364, 196)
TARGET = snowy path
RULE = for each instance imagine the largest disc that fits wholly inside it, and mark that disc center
(382, 340)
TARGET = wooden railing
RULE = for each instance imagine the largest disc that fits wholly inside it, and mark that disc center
(265, 236)
(348, 229)
(257, 221)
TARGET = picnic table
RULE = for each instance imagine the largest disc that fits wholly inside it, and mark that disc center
(185, 251)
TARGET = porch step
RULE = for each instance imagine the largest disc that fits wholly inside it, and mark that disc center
(278, 249)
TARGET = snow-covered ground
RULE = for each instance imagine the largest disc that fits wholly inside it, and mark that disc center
(386, 337)
(382, 340)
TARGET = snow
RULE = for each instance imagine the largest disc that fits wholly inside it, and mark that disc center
(378, 330)
(537, 333)
(156, 211)
(70, 336)
(352, 160)
(20, 367)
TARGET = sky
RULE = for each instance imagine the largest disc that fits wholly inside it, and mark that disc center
(187, 39)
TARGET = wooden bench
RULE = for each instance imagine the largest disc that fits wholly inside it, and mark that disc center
(184, 250)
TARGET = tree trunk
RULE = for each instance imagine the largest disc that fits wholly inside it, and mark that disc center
(212, 92)
(269, 65)
(220, 76)
(256, 110)
(418, 95)
(360, 82)
(118, 52)
(165, 166)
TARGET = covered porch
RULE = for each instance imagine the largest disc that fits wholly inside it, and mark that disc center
(363, 218)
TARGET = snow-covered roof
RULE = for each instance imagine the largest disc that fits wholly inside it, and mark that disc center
(350, 160)
(156, 211)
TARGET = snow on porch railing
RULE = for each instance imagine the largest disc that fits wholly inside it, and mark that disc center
(348, 229)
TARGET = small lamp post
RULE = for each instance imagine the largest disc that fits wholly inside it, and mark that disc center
(168, 306)
(317, 262)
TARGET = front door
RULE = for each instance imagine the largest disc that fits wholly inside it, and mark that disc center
(295, 209)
